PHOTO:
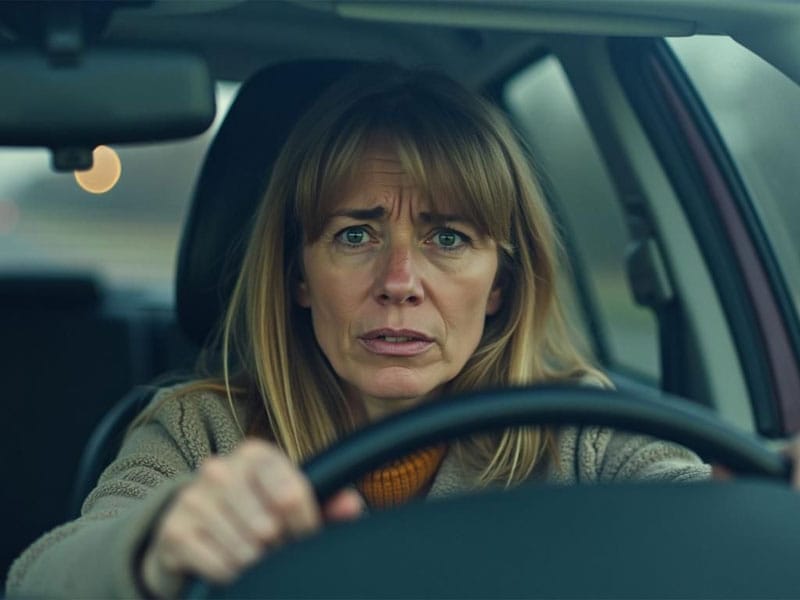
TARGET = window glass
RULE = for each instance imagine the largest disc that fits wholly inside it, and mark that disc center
(757, 112)
(127, 235)
(542, 102)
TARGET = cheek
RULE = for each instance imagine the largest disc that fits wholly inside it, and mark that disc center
(464, 308)
(328, 276)
(467, 318)
(334, 300)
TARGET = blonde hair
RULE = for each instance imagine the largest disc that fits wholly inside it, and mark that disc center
(457, 149)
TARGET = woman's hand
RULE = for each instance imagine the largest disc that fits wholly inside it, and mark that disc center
(239, 507)
(792, 450)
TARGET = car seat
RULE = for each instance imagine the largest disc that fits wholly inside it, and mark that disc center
(233, 178)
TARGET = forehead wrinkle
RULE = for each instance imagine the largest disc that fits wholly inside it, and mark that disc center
(383, 165)
(382, 180)
(399, 174)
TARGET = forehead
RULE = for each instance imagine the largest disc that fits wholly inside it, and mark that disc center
(380, 177)
(380, 167)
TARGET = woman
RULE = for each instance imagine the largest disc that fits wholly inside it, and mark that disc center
(402, 252)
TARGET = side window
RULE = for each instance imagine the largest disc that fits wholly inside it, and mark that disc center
(547, 114)
(756, 110)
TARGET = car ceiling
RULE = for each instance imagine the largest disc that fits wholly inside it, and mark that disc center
(241, 37)
(473, 40)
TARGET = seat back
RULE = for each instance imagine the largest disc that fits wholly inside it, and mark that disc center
(67, 349)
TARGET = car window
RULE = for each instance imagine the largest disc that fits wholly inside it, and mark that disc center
(576, 181)
(757, 112)
(124, 229)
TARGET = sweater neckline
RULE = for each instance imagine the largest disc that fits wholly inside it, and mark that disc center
(402, 480)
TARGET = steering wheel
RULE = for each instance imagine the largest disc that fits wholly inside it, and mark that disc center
(622, 540)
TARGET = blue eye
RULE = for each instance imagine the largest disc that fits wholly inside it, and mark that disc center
(448, 239)
(353, 236)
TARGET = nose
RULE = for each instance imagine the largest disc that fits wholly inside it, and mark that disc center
(398, 280)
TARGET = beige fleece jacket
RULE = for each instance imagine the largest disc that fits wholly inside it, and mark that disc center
(94, 556)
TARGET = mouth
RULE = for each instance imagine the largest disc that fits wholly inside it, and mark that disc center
(396, 342)
(396, 335)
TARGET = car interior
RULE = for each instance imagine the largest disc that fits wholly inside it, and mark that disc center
(710, 315)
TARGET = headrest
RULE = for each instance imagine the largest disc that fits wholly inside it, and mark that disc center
(233, 179)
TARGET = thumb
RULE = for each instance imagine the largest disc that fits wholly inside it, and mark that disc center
(344, 506)
(792, 452)
(721, 472)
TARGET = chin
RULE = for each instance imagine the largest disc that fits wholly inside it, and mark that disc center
(395, 392)
(398, 384)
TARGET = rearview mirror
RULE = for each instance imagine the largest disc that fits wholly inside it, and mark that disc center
(106, 97)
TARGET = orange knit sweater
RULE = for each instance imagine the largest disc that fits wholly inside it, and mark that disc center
(401, 480)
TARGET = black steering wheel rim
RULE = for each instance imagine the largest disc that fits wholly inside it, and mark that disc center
(669, 418)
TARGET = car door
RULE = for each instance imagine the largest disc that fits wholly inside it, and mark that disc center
(668, 164)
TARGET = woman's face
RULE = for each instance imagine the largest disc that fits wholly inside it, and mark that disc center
(398, 296)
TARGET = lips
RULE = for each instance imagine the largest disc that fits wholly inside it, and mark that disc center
(396, 342)
(396, 335)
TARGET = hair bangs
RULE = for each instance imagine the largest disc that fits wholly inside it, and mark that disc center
(325, 176)
(460, 176)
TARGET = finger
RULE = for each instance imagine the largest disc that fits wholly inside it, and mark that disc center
(792, 451)
(204, 558)
(720, 472)
(233, 480)
(203, 508)
(289, 496)
(181, 549)
(263, 464)
(792, 454)
(216, 524)
(251, 516)
(344, 506)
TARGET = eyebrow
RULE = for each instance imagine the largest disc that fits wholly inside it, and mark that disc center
(359, 214)
(374, 214)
